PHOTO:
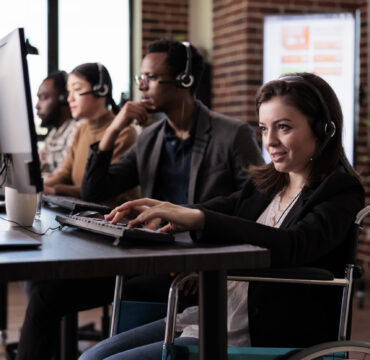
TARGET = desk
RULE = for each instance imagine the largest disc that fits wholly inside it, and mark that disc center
(73, 253)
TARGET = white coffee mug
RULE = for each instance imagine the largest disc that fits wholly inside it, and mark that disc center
(20, 208)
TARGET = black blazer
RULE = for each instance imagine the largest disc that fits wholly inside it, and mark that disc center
(223, 147)
(314, 233)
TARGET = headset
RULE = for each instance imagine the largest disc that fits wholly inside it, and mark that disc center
(63, 96)
(185, 79)
(324, 128)
(100, 89)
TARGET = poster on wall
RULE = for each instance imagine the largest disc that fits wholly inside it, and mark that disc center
(325, 44)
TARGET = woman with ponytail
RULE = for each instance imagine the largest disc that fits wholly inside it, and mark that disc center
(90, 99)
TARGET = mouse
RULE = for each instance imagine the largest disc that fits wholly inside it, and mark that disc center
(90, 214)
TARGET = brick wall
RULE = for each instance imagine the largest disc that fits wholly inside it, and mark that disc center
(237, 57)
(164, 18)
(238, 60)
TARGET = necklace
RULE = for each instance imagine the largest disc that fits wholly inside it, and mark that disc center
(288, 207)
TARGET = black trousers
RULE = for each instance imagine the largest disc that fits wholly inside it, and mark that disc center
(49, 301)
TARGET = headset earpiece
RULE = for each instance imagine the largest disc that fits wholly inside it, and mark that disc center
(324, 129)
(186, 79)
(100, 89)
(62, 98)
(330, 129)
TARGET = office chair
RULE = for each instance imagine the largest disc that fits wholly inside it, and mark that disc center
(69, 334)
(302, 275)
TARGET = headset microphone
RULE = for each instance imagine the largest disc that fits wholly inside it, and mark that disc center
(168, 81)
(87, 93)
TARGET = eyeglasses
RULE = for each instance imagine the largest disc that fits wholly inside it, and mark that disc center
(144, 79)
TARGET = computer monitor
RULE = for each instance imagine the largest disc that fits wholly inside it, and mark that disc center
(20, 164)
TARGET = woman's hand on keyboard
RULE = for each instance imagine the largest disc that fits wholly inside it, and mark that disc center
(179, 218)
(130, 213)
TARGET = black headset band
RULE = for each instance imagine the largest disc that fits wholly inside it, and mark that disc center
(296, 78)
(189, 58)
(100, 71)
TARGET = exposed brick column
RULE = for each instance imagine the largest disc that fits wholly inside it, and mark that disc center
(237, 59)
(164, 18)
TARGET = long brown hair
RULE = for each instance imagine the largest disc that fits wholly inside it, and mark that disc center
(300, 95)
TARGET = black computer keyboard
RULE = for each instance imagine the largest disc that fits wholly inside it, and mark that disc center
(75, 204)
(119, 232)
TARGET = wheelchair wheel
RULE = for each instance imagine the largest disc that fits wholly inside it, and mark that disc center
(335, 350)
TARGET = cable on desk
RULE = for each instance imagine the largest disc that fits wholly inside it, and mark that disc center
(59, 227)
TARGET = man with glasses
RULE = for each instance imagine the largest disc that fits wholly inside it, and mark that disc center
(190, 156)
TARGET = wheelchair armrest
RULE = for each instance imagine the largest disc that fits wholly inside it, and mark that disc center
(299, 273)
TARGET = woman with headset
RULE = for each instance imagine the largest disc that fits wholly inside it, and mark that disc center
(301, 206)
(90, 99)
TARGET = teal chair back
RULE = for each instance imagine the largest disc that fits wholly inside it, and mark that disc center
(233, 353)
(136, 313)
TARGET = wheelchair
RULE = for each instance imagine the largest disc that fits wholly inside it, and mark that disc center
(340, 349)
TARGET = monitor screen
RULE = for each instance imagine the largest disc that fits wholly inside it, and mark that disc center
(20, 165)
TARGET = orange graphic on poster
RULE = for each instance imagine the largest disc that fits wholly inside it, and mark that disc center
(322, 71)
(295, 38)
(328, 45)
(327, 58)
(294, 59)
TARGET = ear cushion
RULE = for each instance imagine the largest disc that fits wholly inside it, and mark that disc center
(324, 129)
(63, 98)
(100, 90)
(185, 80)
(319, 129)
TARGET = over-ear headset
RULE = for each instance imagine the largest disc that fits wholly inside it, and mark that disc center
(184, 79)
(100, 89)
(324, 128)
(62, 98)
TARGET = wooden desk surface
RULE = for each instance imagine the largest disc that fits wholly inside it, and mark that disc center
(72, 253)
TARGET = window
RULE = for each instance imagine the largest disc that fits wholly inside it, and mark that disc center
(32, 16)
(96, 31)
(89, 31)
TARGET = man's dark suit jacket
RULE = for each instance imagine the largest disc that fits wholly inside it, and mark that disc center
(314, 233)
(223, 148)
